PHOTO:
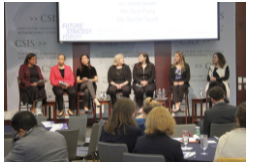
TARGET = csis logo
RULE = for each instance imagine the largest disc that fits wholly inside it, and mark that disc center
(48, 18)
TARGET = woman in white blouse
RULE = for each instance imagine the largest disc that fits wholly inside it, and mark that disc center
(233, 144)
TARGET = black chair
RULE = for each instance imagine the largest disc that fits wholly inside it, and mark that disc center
(130, 157)
(219, 129)
(21, 105)
(111, 152)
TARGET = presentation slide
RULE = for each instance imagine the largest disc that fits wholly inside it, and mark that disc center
(115, 20)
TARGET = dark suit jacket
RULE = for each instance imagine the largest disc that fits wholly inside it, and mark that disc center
(24, 76)
(148, 74)
(160, 144)
(185, 75)
(39, 145)
(130, 138)
(220, 113)
(126, 71)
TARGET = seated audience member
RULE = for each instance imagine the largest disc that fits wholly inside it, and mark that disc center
(149, 105)
(121, 126)
(36, 144)
(220, 112)
(159, 126)
(233, 144)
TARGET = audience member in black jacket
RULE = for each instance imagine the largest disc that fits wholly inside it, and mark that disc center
(179, 77)
(121, 126)
(144, 76)
(119, 78)
(159, 125)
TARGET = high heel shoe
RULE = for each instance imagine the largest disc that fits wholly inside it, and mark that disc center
(60, 113)
(70, 112)
(97, 103)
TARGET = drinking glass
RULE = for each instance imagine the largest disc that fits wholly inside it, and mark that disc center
(185, 137)
(201, 93)
(203, 143)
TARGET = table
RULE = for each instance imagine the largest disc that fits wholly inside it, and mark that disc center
(102, 102)
(194, 102)
(198, 157)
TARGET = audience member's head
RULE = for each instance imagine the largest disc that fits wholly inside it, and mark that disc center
(149, 104)
(240, 115)
(217, 94)
(22, 122)
(122, 116)
(159, 120)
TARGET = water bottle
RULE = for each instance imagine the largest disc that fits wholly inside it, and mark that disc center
(201, 93)
(159, 93)
(197, 131)
(163, 93)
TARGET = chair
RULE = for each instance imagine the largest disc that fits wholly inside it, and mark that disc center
(101, 123)
(218, 130)
(186, 104)
(20, 103)
(111, 152)
(40, 119)
(8, 143)
(80, 123)
(131, 157)
(92, 148)
(180, 127)
(8, 135)
(224, 159)
(71, 137)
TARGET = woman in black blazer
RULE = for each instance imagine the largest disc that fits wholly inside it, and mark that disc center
(179, 77)
(144, 78)
(159, 125)
(119, 78)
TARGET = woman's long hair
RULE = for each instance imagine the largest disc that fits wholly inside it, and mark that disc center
(121, 117)
(182, 61)
(29, 57)
(222, 60)
(81, 64)
(147, 59)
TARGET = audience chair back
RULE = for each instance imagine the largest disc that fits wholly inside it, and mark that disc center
(101, 123)
(71, 137)
(180, 127)
(8, 135)
(40, 119)
(111, 152)
(80, 123)
(130, 157)
(8, 143)
(219, 129)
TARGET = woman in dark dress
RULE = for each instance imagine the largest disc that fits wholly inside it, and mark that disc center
(218, 74)
(179, 77)
(159, 126)
(119, 78)
(86, 78)
(121, 126)
(144, 78)
(31, 84)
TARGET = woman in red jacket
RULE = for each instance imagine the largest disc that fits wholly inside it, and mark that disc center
(62, 79)
(30, 84)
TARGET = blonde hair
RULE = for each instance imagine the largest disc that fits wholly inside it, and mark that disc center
(117, 59)
(182, 62)
(149, 104)
(159, 120)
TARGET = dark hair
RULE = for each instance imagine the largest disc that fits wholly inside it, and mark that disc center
(217, 93)
(62, 55)
(29, 57)
(241, 115)
(121, 117)
(81, 65)
(221, 58)
(23, 120)
(144, 54)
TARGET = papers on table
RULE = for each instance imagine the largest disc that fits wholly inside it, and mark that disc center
(212, 142)
(189, 154)
(51, 126)
(191, 139)
(187, 148)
